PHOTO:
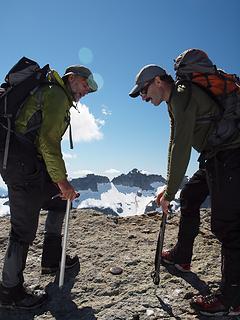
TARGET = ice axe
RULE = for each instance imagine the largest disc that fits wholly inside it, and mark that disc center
(158, 256)
(64, 243)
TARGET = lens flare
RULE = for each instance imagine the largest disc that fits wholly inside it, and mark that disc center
(85, 55)
(99, 79)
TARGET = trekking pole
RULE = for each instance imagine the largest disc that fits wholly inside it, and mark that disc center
(158, 256)
(64, 246)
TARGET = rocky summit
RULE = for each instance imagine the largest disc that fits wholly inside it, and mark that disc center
(113, 280)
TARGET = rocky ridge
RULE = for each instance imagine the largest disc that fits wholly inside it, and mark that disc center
(89, 182)
(138, 179)
(102, 242)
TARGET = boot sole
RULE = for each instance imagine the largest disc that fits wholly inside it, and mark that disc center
(14, 306)
(177, 266)
(216, 314)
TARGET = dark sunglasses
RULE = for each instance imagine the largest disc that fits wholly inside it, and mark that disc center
(145, 88)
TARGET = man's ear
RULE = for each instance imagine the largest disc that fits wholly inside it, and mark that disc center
(71, 78)
(157, 81)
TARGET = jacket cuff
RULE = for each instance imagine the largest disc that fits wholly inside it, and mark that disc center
(168, 196)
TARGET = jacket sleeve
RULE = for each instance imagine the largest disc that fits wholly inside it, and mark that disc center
(171, 138)
(55, 119)
(184, 115)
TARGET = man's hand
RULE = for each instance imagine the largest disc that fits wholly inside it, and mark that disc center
(67, 190)
(162, 202)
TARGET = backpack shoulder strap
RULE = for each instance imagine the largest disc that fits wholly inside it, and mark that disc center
(188, 85)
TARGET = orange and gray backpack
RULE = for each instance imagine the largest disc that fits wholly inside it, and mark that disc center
(194, 66)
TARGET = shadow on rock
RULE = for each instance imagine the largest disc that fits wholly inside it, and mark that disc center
(167, 308)
(59, 304)
(189, 277)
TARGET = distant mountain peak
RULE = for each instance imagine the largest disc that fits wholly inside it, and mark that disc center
(134, 171)
(89, 182)
(136, 178)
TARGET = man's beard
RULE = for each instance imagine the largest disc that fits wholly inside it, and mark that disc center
(76, 96)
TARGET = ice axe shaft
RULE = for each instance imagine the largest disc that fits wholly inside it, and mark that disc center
(158, 255)
(160, 241)
(64, 244)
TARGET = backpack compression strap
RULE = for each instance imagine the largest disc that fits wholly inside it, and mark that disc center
(7, 141)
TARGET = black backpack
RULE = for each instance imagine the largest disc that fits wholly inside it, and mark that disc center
(22, 80)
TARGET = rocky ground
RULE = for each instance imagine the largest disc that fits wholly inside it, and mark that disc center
(102, 242)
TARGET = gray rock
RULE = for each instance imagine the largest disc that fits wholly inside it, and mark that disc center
(94, 293)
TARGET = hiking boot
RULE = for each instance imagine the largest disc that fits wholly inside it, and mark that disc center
(70, 263)
(212, 305)
(167, 257)
(19, 298)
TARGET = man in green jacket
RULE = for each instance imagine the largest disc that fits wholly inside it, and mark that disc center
(187, 106)
(36, 173)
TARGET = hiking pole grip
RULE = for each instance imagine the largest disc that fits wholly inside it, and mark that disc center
(64, 244)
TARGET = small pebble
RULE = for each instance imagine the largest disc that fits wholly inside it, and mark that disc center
(149, 312)
(132, 236)
(146, 231)
(116, 270)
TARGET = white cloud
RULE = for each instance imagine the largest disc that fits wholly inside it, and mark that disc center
(69, 156)
(106, 111)
(111, 171)
(145, 172)
(80, 173)
(85, 127)
(100, 123)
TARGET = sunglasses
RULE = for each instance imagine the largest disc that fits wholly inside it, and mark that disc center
(145, 88)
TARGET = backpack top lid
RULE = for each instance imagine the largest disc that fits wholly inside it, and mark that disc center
(193, 60)
(21, 71)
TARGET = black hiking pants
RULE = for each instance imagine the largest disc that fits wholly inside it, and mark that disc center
(224, 183)
(192, 196)
(29, 189)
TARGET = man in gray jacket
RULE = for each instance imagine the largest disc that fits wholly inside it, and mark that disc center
(186, 104)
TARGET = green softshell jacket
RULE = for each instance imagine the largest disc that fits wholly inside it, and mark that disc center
(188, 113)
(55, 102)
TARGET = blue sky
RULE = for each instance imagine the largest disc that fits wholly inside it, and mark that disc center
(115, 39)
